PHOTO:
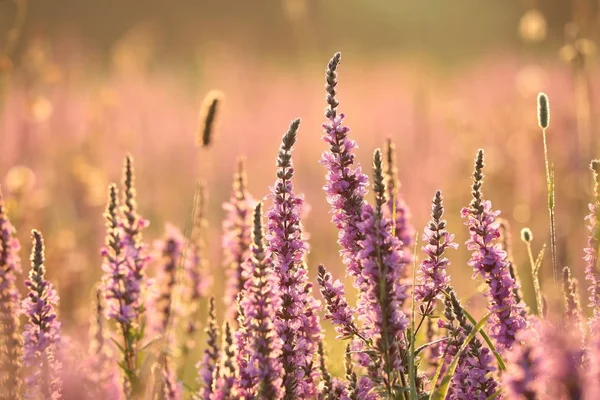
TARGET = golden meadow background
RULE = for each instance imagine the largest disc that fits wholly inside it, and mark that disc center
(84, 82)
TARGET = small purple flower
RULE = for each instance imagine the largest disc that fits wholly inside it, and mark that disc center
(297, 321)
(10, 299)
(432, 277)
(591, 252)
(259, 364)
(42, 332)
(237, 228)
(489, 260)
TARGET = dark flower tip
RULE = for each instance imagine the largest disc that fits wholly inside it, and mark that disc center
(378, 182)
(331, 79)
(543, 107)
(37, 254)
(526, 235)
(477, 202)
(208, 117)
(284, 159)
(258, 227)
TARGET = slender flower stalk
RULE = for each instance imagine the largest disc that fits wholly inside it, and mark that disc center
(209, 363)
(297, 322)
(591, 252)
(431, 277)
(489, 260)
(384, 270)
(398, 210)
(10, 299)
(260, 365)
(527, 238)
(195, 271)
(42, 332)
(224, 382)
(237, 237)
(543, 107)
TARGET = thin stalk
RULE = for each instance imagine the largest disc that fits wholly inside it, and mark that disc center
(550, 183)
(536, 281)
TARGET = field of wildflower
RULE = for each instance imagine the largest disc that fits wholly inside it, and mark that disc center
(346, 228)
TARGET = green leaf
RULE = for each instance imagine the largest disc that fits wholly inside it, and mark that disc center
(495, 395)
(424, 346)
(442, 391)
(118, 345)
(538, 260)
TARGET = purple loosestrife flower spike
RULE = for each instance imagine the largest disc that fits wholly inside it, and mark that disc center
(326, 387)
(591, 252)
(345, 185)
(237, 228)
(397, 207)
(472, 379)
(260, 368)
(223, 384)
(10, 299)
(573, 312)
(592, 387)
(102, 374)
(210, 360)
(170, 249)
(489, 260)
(431, 277)
(297, 321)
(121, 288)
(42, 332)
(519, 380)
(196, 270)
(171, 388)
(135, 251)
(351, 392)
(337, 309)
(559, 355)
(384, 270)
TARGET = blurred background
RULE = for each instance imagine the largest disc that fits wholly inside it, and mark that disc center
(82, 83)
